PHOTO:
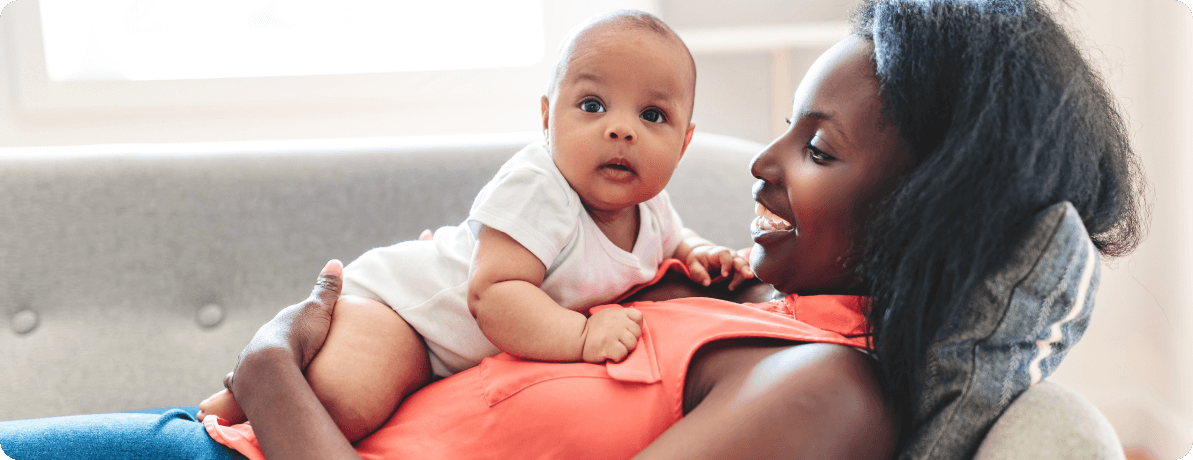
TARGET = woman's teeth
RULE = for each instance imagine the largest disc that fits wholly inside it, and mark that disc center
(769, 221)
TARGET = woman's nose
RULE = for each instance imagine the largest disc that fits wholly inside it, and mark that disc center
(763, 165)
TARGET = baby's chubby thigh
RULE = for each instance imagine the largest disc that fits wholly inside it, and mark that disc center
(370, 361)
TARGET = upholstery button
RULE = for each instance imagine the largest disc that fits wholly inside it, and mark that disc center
(210, 315)
(24, 321)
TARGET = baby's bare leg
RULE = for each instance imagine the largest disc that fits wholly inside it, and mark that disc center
(371, 361)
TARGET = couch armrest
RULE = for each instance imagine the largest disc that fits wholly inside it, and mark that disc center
(1047, 422)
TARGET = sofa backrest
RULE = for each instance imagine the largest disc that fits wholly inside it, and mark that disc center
(134, 274)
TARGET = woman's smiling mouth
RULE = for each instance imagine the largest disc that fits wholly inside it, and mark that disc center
(769, 223)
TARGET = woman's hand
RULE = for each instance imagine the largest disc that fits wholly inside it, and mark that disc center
(269, 384)
(302, 328)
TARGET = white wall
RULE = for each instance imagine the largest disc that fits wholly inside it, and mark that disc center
(1136, 360)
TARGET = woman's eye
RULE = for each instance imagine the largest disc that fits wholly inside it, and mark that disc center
(592, 106)
(818, 155)
(654, 116)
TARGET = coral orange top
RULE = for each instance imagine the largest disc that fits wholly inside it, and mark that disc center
(514, 409)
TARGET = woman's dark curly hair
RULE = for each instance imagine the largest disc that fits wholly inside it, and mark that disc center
(1003, 117)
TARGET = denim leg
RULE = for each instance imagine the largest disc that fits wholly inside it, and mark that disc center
(168, 435)
(193, 411)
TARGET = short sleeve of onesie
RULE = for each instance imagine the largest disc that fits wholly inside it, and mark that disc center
(530, 201)
(670, 225)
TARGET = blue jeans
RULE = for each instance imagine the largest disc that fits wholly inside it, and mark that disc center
(169, 433)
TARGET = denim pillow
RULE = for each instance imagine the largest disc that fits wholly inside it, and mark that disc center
(1015, 330)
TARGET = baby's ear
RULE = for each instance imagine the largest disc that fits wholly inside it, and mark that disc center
(546, 111)
(687, 139)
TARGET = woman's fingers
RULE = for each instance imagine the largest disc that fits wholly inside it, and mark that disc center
(329, 283)
(309, 328)
(301, 328)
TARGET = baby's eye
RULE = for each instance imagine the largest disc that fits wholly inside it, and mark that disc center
(653, 116)
(592, 106)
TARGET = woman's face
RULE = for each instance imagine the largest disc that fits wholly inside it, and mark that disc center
(819, 179)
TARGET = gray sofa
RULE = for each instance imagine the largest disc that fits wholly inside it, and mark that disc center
(134, 274)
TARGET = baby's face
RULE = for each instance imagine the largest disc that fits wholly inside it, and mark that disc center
(619, 119)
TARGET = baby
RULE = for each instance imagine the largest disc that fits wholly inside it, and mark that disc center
(565, 225)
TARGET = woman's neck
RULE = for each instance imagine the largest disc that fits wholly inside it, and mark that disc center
(620, 226)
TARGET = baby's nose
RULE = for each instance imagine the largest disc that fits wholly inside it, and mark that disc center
(621, 130)
(627, 136)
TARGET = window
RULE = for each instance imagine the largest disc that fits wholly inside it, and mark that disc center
(140, 40)
(79, 73)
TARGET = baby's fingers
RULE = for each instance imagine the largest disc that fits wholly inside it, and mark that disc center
(634, 315)
(743, 267)
(738, 278)
(698, 273)
(725, 257)
(622, 348)
(617, 352)
(742, 272)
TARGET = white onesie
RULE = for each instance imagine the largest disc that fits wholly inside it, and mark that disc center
(426, 282)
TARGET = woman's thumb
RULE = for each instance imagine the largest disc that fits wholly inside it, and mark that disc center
(329, 283)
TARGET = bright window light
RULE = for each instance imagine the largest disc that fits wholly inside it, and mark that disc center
(189, 39)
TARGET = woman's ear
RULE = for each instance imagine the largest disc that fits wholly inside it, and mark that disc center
(546, 112)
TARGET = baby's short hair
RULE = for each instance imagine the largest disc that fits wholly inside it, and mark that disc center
(634, 19)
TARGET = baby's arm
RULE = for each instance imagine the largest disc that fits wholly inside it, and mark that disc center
(701, 255)
(515, 314)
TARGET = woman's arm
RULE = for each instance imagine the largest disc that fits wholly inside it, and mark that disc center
(268, 381)
(760, 400)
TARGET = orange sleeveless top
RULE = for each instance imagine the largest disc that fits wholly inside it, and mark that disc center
(514, 409)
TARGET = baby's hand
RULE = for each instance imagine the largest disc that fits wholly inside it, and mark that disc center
(611, 334)
(224, 405)
(711, 258)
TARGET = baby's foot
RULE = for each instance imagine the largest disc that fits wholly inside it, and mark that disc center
(224, 405)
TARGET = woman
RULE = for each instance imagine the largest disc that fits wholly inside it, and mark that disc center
(918, 149)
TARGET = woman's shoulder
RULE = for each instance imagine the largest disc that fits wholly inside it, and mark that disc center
(810, 400)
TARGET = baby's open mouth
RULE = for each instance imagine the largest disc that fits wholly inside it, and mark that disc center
(768, 221)
(619, 170)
